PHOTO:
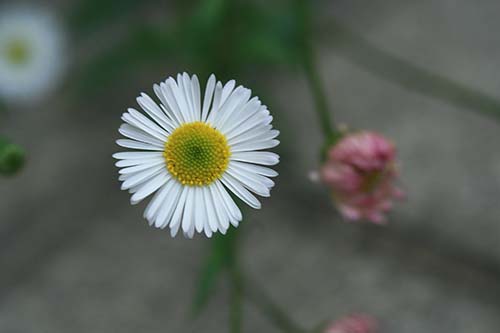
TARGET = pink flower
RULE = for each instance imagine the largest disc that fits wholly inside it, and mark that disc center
(358, 323)
(361, 172)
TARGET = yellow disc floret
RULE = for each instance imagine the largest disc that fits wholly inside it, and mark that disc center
(17, 52)
(196, 154)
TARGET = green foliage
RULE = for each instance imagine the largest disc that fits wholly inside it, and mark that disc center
(90, 15)
(216, 36)
(269, 35)
(234, 34)
(11, 158)
(144, 45)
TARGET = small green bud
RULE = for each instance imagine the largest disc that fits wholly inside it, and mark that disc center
(11, 158)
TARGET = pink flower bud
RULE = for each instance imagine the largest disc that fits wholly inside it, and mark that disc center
(361, 171)
(358, 323)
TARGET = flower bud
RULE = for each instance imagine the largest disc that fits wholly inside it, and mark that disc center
(358, 323)
(360, 170)
(11, 158)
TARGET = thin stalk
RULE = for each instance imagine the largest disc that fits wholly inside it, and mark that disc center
(236, 300)
(259, 298)
(310, 67)
(321, 103)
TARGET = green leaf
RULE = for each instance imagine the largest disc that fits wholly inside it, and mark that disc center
(11, 157)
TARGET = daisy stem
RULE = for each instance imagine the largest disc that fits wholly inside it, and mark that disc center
(236, 299)
(259, 298)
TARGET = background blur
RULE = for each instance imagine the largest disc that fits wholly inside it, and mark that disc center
(76, 257)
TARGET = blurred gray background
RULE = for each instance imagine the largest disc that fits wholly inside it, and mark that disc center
(76, 257)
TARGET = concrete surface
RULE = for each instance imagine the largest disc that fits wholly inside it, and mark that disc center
(75, 256)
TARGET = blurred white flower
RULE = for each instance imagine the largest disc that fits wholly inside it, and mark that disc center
(191, 152)
(31, 53)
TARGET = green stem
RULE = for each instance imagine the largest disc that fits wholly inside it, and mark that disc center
(236, 281)
(3, 107)
(322, 109)
(236, 301)
(259, 298)
(361, 52)
(310, 67)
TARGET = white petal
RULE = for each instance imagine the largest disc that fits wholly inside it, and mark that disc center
(216, 102)
(208, 232)
(256, 157)
(187, 219)
(136, 134)
(179, 209)
(207, 101)
(190, 232)
(149, 187)
(126, 143)
(178, 90)
(140, 167)
(234, 102)
(140, 177)
(218, 204)
(250, 182)
(170, 90)
(154, 111)
(255, 145)
(200, 210)
(174, 230)
(212, 219)
(255, 169)
(146, 124)
(226, 91)
(233, 209)
(240, 191)
(136, 155)
(136, 161)
(157, 201)
(168, 106)
(261, 118)
(169, 204)
(184, 83)
(242, 115)
(195, 93)
(260, 133)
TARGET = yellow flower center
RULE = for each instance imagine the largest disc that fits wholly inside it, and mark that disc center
(196, 154)
(17, 52)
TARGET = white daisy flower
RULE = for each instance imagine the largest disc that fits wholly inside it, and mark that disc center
(31, 56)
(190, 153)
